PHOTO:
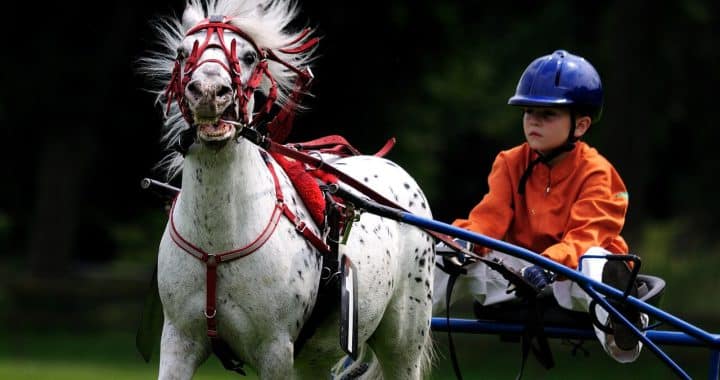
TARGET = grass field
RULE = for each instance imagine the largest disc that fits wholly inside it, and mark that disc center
(79, 356)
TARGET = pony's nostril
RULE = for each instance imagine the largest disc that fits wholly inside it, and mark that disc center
(195, 90)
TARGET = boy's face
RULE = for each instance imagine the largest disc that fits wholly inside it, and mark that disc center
(546, 128)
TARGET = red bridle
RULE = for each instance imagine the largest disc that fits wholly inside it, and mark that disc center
(216, 25)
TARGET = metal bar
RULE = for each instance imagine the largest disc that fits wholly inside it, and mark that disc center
(473, 326)
(147, 182)
(714, 372)
(648, 343)
(712, 341)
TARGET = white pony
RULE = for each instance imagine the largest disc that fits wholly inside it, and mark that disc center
(211, 63)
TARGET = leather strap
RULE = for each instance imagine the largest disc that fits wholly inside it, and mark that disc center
(220, 348)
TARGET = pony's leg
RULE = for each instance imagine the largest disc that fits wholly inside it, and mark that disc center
(402, 341)
(180, 355)
(275, 360)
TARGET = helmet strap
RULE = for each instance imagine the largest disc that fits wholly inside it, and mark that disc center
(546, 158)
(571, 136)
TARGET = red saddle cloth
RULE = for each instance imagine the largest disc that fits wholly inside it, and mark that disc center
(307, 180)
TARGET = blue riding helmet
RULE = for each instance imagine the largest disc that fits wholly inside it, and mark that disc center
(561, 79)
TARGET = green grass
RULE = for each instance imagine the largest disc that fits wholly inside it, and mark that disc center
(78, 356)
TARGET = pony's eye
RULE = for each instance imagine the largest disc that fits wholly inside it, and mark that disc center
(249, 58)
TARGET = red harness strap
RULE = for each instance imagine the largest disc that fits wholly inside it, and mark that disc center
(336, 144)
(216, 26)
(212, 260)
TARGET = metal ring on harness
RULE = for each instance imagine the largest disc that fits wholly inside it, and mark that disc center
(319, 157)
(210, 316)
(323, 272)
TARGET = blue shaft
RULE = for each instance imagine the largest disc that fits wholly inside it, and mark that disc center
(714, 373)
(648, 343)
(473, 326)
(712, 341)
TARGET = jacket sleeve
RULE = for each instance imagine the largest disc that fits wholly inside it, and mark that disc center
(492, 216)
(596, 218)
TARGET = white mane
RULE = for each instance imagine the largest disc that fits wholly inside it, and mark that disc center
(265, 21)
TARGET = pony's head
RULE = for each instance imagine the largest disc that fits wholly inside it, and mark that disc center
(216, 58)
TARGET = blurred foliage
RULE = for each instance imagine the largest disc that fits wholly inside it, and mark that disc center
(434, 74)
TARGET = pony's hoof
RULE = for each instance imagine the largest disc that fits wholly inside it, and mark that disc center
(356, 372)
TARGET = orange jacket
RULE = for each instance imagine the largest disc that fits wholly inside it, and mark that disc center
(577, 203)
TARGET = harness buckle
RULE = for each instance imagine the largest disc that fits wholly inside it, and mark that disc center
(212, 261)
(208, 316)
(301, 226)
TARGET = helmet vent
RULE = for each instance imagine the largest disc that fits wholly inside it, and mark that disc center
(558, 72)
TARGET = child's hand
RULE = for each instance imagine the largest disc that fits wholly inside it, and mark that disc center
(537, 276)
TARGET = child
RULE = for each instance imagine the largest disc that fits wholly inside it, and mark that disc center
(554, 195)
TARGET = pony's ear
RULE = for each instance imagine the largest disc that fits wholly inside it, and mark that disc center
(191, 16)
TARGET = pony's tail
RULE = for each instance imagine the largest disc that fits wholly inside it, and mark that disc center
(427, 359)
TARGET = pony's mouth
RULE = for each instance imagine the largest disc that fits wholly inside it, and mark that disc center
(216, 130)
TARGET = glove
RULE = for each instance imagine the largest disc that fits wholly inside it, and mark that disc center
(452, 259)
(537, 276)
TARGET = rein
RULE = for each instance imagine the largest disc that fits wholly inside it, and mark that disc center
(268, 144)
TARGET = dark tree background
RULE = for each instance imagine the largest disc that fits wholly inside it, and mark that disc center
(79, 131)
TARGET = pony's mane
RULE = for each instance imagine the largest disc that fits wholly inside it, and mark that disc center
(265, 21)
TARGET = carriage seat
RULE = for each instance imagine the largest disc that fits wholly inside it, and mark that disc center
(650, 290)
